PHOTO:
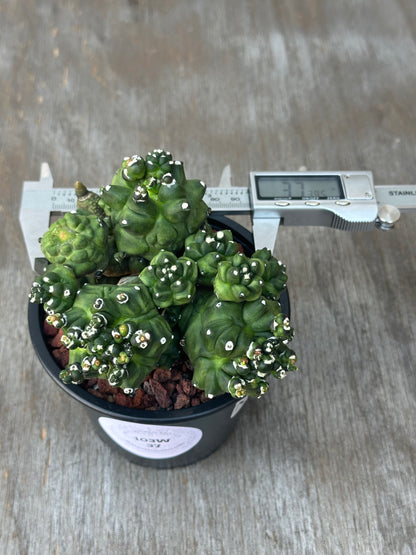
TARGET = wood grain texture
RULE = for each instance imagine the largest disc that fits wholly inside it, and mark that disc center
(326, 462)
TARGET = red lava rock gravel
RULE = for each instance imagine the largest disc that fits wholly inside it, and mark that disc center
(170, 388)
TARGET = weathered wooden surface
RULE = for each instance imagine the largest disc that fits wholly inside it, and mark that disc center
(326, 462)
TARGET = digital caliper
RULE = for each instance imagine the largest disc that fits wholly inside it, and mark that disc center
(342, 200)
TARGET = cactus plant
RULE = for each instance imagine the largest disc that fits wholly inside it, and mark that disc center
(152, 205)
(78, 240)
(234, 346)
(137, 278)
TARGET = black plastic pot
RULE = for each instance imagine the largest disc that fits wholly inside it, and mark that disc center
(163, 438)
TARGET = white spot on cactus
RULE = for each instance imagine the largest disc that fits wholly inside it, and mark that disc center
(210, 396)
(218, 305)
(220, 235)
(178, 282)
(163, 340)
(263, 302)
(128, 390)
(210, 240)
(67, 293)
(188, 263)
(229, 346)
(98, 303)
(124, 222)
(86, 365)
(185, 206)
(135, 158)
(122, 298)
(174, 268)
(208, 332)
(235, 272)
(250, 349)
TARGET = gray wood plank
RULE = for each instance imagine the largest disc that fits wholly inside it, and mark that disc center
(326, 462)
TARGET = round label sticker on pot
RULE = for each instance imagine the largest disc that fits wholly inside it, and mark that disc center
(151, 441)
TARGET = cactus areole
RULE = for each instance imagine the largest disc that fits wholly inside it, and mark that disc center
(141, 275)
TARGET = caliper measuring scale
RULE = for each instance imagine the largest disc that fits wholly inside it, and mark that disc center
(344, 200)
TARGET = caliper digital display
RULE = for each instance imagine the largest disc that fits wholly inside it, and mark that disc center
(299, 187)
(342, 200)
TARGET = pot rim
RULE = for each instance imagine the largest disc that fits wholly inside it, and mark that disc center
(35, 319)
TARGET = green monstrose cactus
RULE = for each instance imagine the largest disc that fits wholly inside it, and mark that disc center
(152, 204)
(170, 279)
(114, 332)
(138, 278)
(56, 288)
(78, 240)
(234, 346)
(209, 249)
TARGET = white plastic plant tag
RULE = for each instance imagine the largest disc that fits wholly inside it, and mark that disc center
(150, 441)
(238, 406)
